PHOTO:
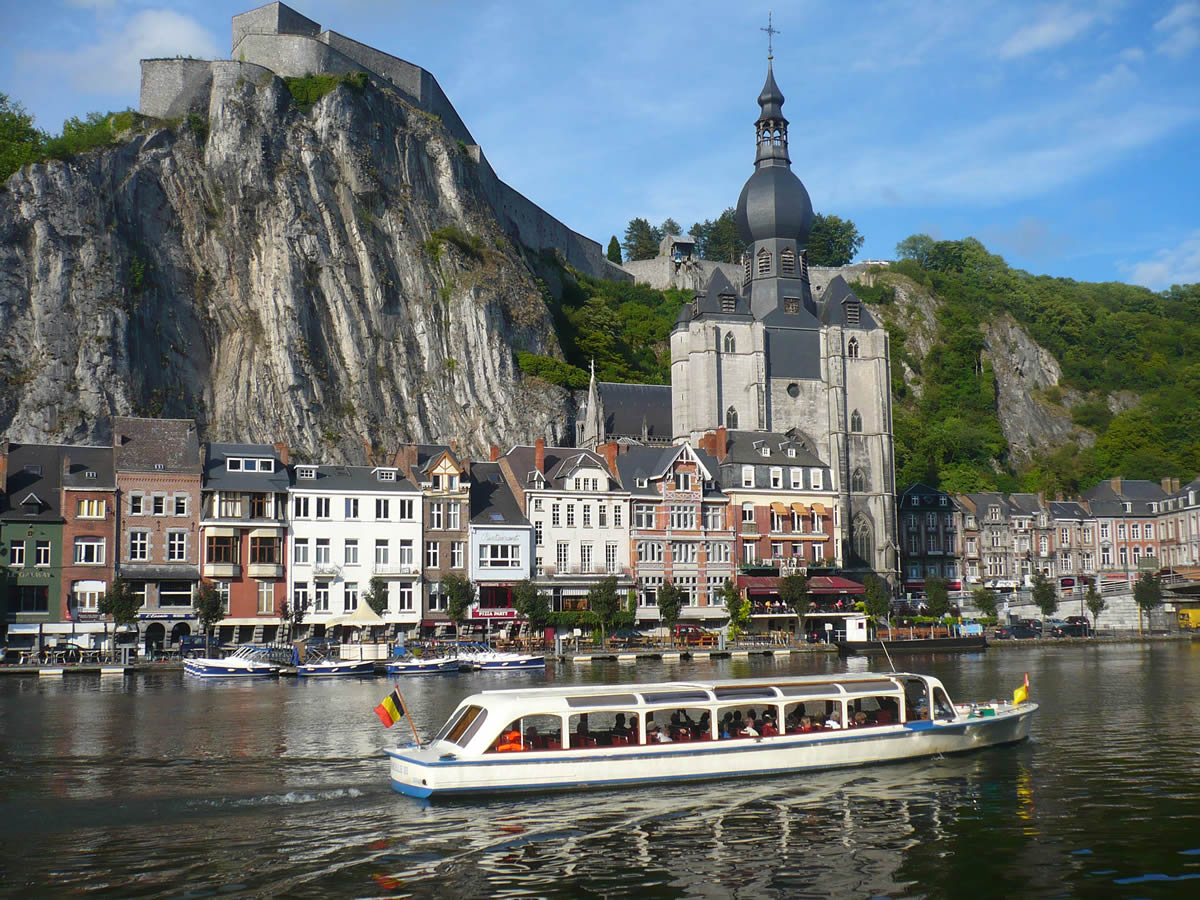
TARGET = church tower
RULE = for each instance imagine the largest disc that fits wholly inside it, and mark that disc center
(770, 356)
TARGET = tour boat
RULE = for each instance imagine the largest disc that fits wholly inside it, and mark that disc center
(423, 665)
(499, 659)
(325, 668)
(513, 740)
(246, 660)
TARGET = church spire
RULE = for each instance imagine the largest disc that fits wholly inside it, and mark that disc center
(593, 422)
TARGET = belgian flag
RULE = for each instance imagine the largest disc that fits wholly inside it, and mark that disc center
(390, 710)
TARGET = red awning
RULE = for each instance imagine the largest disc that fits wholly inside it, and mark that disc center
(817, 584)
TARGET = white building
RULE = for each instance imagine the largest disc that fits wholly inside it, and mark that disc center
(350, 524)
(501, 546)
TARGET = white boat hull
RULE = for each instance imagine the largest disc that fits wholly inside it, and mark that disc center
(330, 669)
(424, 667)
(228, 668)
(424, 773)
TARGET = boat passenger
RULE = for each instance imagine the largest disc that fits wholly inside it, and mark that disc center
(834, 721)
(620, 729)
(860, 719)
(510, 740)
(748, 729)
(726, 729)
(654, 734)
(806, 724)
(703, 728)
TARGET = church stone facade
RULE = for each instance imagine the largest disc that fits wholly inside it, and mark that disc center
(770, 355)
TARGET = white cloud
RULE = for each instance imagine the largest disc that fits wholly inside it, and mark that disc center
(1175, 265)
(1120, 76)
(1181, 34)
(1181, 14)
(1059, 27)
(1132, 54)
(111, 65)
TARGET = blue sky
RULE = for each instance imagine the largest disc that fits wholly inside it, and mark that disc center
(1065, 136)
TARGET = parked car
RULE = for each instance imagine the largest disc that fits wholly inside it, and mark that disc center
(1072, 620)
(627, 637)
(693, 634)
(1017, 632)
(1073, 629)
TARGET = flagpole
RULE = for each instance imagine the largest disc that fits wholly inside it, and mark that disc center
(404, 706)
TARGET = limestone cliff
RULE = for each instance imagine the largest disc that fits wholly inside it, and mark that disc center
(271, 272)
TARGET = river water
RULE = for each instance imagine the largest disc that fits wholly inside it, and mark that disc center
(161, 786)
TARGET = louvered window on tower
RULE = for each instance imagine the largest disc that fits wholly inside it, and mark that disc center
(728, 303)
(787, 262)
(804, 266)
(853, 312)
(746, 266)
(764, 262)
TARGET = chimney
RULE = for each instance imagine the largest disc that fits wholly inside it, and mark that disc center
(66, 463)
(282, 449)
(493, 453)
(1115, 483)
(539, 455)
(609, 449)
(722, 443)
(3, 466)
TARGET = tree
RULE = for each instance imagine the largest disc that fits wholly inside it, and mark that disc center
(604, 601)
(737, 606)
(120, 602)
(460, 594)
(670, 602)
(937, 596)
(917, 247)
(376, 595)
(531, 604)
(641, 240)
(20, 142)
(669, 227)
(1044, 595)
(614, 250)
(793, 593)
(1096, 604)
(209, 610)
(985, 600)
(1147, 593)
(718, 239)
(877, 599)
(833, 241)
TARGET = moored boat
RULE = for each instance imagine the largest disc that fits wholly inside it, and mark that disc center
(245, 661)
(487, 659)
(423, 665)
(326, 668)
(602, 735)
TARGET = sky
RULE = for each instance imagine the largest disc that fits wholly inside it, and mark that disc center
(1065, 136)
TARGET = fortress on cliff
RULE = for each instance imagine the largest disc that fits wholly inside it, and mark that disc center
(276, 40)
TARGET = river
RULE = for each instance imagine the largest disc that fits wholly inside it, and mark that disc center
(161, 786)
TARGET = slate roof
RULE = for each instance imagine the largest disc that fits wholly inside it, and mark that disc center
(492, 500)
(1068, 509)
(560, 462)
(218, 478)
(350, 478)
(626, 406)
(708, 301)
(33, 469)
(833, 305)
(743, 447)
(427, 454)
(98, 460)
(651, 462)
(1103, 499)
(142, 444)
(926, 498)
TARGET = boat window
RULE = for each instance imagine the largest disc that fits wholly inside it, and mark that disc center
(603, 700)
(679, 724)
(747, 720)
(805, 690)
(942, 705)
(877, 710)
(810, 715)
(676, 697)
(541, 731)
(916, 702)
(461, 728)
(871, 687)
(609, 728)
(738, 693)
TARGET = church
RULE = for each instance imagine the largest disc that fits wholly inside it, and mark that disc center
(759, 350)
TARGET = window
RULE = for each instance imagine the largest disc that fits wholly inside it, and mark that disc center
(787, 263)
(683, 553)
(457, 554)
(407, 510)
(643, 516)
(381, 552)
(299, 507)
(610, 558)
(683, 517)
(306, 471)
(381, 509)
(562, 556)
(406, 553)
(764, 261)
(617, 516)
(816, 479)
(229, 506)
(224, 549)
(264, 551)
(852, 348)
(776, 521)
(863, 541)
(437, 601)
(1104, 531)
(181, 505)
(731, 419)
(730, 343)
(323, 508)
(714, 517)
(405, 601)
(177, 546)
(649, 552)
(90, 509)
(719, 553)
(537, 505)
(749, 553)
(320, 596)
(855, 422)
(587, 516)
(683, 481)
(747, 476)
(260, 507)
(797, 479)
(350, 552)
(585, 557)
(747, 512)
(570, 515)
(299, 596)
(776, 477)
(89, 551)
(175, 593)
(453, 514)
(136, 504)
(1135, 531)
(350, 596)
(139, 546)
(351, 507)
(554, 515)
(431, 554)
(858, 481)
(499, 556)
(300, 551)
(321, 554)
(1064, 535)
(602, 515)
(435, 516)
(386, 475)
(160, 506)
(1121, 531)
(266, 598)
(222, 589)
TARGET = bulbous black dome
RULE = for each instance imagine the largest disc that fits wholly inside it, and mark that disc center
(774, 204)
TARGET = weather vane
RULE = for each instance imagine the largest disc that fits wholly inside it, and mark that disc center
(771, 32)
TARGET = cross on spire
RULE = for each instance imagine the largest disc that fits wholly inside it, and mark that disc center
(771, 32)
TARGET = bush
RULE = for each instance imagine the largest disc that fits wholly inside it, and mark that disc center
(470, 244)
(308, 90)
(552, 370)
(96, 131)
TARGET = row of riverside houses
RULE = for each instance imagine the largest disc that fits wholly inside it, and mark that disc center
(1116, 530)
(164, 512)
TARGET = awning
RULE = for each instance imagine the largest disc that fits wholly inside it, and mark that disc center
(161, 572)
(265, 620)
(219, 531)
(362, 616)
(819, 509)
(800, 509)
(832, 584)
(779, 509)
(24, 628)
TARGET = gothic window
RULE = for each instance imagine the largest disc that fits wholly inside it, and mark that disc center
(855, 421)
(852, 348)
(764, 261)
(858, 481)
(853, 312)
(730, 343)
(787, 261)
(731, 421)
(864, 543)
(746, 267)
(791, 305)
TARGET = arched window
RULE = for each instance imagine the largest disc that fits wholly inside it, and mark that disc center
(852, 348)
(858, 481)
(731, 419)
(855, 422)
(864, 542)
(764, 261)
(730, 343)
(787, 261)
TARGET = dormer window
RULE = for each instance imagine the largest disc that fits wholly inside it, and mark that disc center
(853, 311)
(233, 464)
(33, 470)
(787, 261)
(791, 452)
(764, 261)
(306, 471)
(642, 482)
(1128, 507)
(385, 474)
(728, 303)
(89, 474)
(763, 450)
(158, 467)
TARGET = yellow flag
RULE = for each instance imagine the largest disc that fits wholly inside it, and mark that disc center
(1021, 694)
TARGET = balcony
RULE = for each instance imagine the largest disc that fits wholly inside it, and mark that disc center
(222, 570)
(268, 570)
(386, 569)
(326, 568)
(749, 528)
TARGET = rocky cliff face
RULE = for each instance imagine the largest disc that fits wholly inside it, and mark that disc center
(271, 272)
